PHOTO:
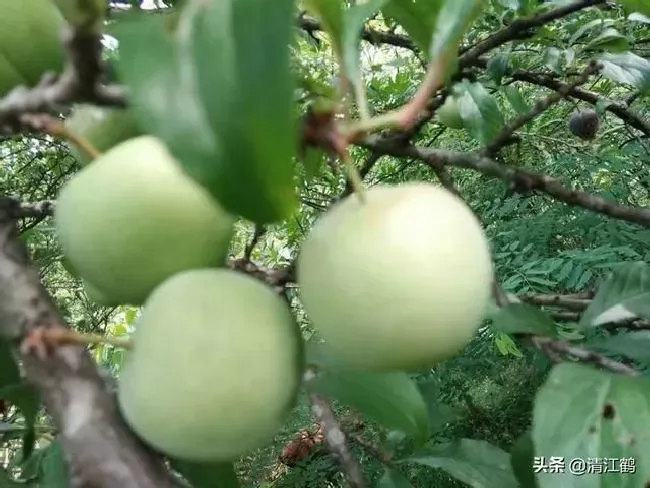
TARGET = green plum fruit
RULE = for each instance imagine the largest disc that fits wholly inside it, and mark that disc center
(216, 363)
(399, 282)
(449, 114)
(102, 127)
(133, 218)
(97, 296)
(30, 42)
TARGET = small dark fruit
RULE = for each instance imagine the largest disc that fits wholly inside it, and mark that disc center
(584, 124)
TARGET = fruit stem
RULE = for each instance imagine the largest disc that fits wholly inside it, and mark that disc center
(81, 142)
(60, 335)
(353, 175)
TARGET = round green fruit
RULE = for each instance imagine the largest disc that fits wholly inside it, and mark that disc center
(133, 218)
(97, 296)
(102, 127)
(399, 282)
(449, 114)
(216, 363)
(30, 42)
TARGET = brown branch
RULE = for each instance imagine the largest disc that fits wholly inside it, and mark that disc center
(505, 135)
(562, 301)
(100, 448)
(521, 28)
(22, 210)
(335, 438)
(621, 110)
(555, 347)
(80, 82)
(521, 181)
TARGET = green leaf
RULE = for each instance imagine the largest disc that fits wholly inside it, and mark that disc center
(516, 99)
(634, 345)
(477, 463)
(626, 294)
(26, 398)
(452, 21)
(641, 6)
(522, 318)
(610, 39)
(353, 22)
(626, 68)
(393, 479)
(479, 110)
(230, 120)
(392, 399)
(330, 13)
(54, 467)
(207, 475)
(9, 372)
(522, 458)
(417, 17)
(583, 413)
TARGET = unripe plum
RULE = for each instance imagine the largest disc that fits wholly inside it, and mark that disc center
(102, 127)
(216, 363)
(449, 114)
(133, 218)
(399, 282)
(30, 42)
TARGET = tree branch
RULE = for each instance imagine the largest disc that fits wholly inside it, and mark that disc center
(80, 82)
(521, 27)
(521, 181)
(506, 133)
(101, 450)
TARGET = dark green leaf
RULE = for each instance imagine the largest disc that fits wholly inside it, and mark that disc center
(392, 399)
(26, 398)
(634, 345)
(522, 458)
(479, 111)
(497, 67)
(583, 413)
(239, 52)
(417, 17)
(54, 467)
(521, 318)
(9, 372)
(207, 475)
(477, 463)
(626, 294)
(611, 40)
(393, 479)
(641, 6)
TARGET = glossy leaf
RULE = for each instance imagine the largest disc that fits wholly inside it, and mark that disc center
(521, 318)
(477, 463)
(252, 180)
(26, 398)
(625, 295)
(207, 475)
(239, 52)
(583, 413)
(392, 399)
(9, 372)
